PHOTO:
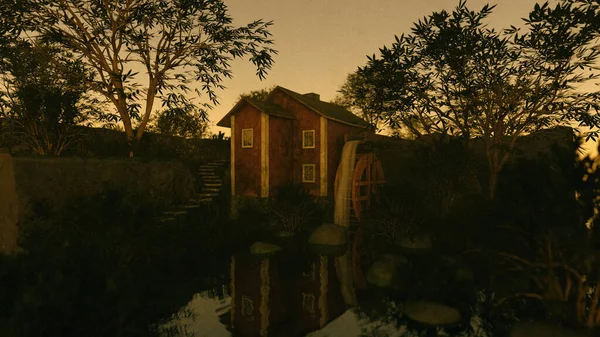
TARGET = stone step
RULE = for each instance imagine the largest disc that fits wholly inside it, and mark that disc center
(213, 181)
(208, 173)
(210, 179)
(203, 194)
(166, 219)
(207, 184)
(216, 190)
(190, 206)
(212, 165)
(206, 170)
(176, 212)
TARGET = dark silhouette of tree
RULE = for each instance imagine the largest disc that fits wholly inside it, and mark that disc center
(454, 76)
(258, 95)
(184, 122)
(176, 42)
(357, 95)
(40, 102)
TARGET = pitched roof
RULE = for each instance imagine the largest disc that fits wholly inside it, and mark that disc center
(266, 107)
(328, 110)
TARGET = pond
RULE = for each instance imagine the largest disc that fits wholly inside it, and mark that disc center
(296, 296)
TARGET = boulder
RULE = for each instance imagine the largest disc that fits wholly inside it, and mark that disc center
(264, 249)
(384, 272)
(417, 243)
(431, 313)
(329, 239)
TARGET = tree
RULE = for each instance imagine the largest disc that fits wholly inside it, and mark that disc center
(182, 122)
(39, 102)
(176, 42)
(453, 75)
(258, 95)
(357, 95)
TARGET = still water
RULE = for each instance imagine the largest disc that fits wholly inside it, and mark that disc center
(274, 297)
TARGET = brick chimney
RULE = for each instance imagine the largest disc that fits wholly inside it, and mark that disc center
(312, 96)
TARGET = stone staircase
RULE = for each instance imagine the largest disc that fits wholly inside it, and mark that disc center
(211, 177)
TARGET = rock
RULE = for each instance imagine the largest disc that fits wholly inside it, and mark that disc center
(384, 272)
(285, 234)
(397, 259)
(431, 313)
(328, 239)
(328, 234)
(463, 274)
(264, 249)
(417, 242)
(535, 329)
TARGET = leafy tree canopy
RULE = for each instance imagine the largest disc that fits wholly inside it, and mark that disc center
(258, 95)
(182, 122)
(455, 76)
(177, 42)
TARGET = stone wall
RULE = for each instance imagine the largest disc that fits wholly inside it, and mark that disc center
(106, 143)
(26, 182)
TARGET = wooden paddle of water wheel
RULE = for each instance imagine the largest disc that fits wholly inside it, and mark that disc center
(367, 180)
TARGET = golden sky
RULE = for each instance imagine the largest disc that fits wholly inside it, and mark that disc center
(321, 41)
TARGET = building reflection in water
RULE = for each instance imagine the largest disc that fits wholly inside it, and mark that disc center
(279, 296)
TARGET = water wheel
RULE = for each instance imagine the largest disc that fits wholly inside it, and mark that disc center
(367, 180)
(366, 183)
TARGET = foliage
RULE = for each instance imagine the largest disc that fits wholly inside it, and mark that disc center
(550, 224)
(453, 75)
(41, 102)
(176, 42)
(104, 267)
(182, 122)
(442, 177)
(357, 94)
(294, 209)
(11, 14)
(525, 193)
(258, 95)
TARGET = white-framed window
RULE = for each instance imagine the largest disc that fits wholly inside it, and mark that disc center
(248, 308)
(308, 302)
(308, 139)
(308, 173)
(247, 138)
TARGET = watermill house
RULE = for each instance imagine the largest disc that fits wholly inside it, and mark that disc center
(288, 138)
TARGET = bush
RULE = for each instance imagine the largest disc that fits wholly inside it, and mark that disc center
(295, 210)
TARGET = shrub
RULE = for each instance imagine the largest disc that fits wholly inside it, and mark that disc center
(294, 209)
(100, 268)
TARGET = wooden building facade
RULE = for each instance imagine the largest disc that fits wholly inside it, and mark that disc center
(289, 138)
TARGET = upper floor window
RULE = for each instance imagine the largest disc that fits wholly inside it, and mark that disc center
(308, 139)
(308, 173)
(247, 138)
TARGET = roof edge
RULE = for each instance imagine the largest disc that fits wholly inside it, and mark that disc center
(311, 108)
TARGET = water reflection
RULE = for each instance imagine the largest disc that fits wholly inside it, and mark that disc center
(285, 295)
(274, 296)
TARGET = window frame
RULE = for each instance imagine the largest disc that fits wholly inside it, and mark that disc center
(314, 172)
(247, 308)
(251, 130)
(309, 302)
(314, 141)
